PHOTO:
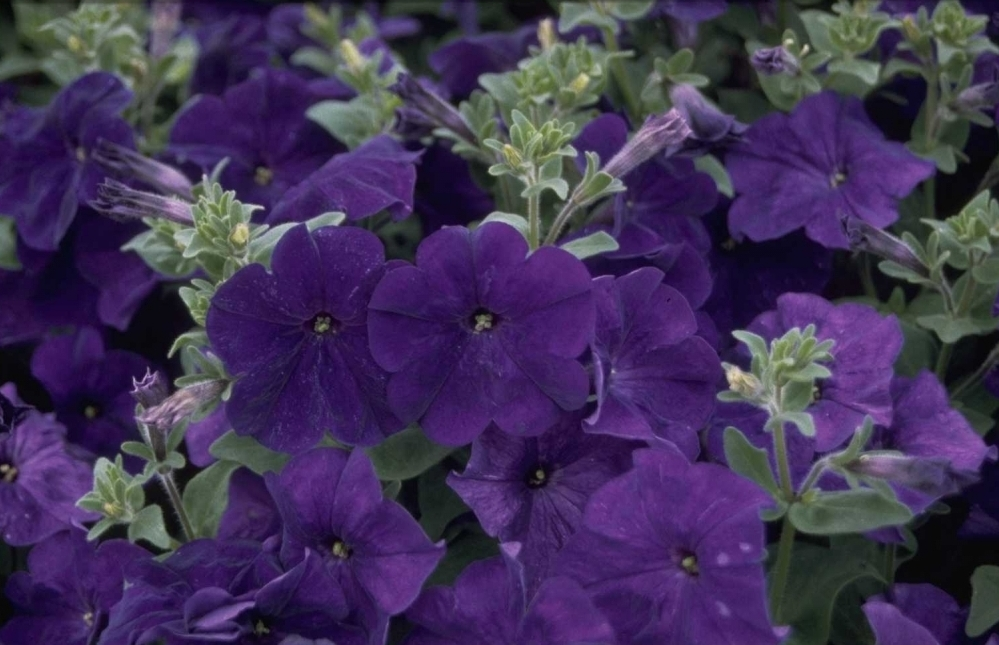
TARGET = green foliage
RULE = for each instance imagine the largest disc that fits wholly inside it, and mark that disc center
(206, 497)
(247, 451)
(406, 454)
(749, 461)
(8, 245)
(851, 511)
(593, 244)
(984, 610)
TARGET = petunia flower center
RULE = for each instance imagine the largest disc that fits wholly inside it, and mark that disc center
(483, 320)
(8, 473)
(728, 245)
(81, 154)
(88, 618)
(837, 178)
(263, 176)
(322, 324)
(538, 477)
(689, 565)
(91, 411)
(340, 549)
(260, 629)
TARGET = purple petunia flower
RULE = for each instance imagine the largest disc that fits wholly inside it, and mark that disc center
(689, 11)
(49, 169)
(460, 63)
(90, 389)
(810, 168)
(333, 509)
(310, 371)
(40, 481)
(250, 513)
(213, 591)
(260, 125)
(69, 589)
(480, 332)
(533, 490)
(867, 345)
(653, 376)
(230, 47)
(684, 537)
(489, 604)
(445, 193)
(378, 176)
(918, 614)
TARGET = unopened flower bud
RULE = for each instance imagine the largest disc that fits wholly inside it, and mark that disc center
(151, 390)
(512, 156)
(165, 22)
(928, 475)
(771, 61)
(424, 107)
(118, 201)
(240, 235)
(977, 97)
(182, 404)
(864, 237)
(546, 34)
(579, 83)
(742, 382)
(128, 164)
(709, 126)
(656, 134)
(351, 55)
(74, 44)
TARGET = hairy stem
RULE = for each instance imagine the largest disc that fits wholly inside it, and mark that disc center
(781, 571)
(170, 486)
(620, 75)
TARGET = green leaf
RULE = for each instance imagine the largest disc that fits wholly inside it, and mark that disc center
(749, 461)
(148, 525)
(802, 420)
(709, 165)
(351, 121)
(866, 70)
(984, 610)
(406, 454)
(206, 497)
(248, 452)
(630, 10)
(465, 549)
(575, 14)
(951, 330)
(8, 245)
(850, 511)
(987, 272)
(518, 222)
(592, 244)
(438, 503)
(818, 576)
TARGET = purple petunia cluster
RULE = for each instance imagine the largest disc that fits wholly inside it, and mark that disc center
(591, 323)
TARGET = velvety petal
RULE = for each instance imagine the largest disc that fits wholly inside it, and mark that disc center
(891, 627)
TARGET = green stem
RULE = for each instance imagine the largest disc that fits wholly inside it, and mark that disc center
(534, 221)
(867, 277)
(889, 571)
(967, 295)
(943, 360)
(620, 76)
(178, 505)
(929, 134)
(783, 469)
(781, 17)
(930, 197)
(781, 571)
(989, 362)
(561, 220)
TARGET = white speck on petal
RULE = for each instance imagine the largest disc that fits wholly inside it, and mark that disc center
(723, 609)
(723, 559)
(745, 547)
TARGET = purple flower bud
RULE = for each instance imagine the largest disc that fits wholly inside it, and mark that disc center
(929, 475)
(709, 126)
(118, 201)
(425, 107)
(864, 237)
(182, 404)
(165, 22)
(11, 413)
(128, 164)
(771, 61)
(658, 133)
(151, 390)
(977, 97)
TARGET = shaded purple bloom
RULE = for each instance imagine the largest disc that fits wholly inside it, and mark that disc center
(941, 453)
(229, 48)
(90, 389)
(40, 481)
(810, 168)
(480, 332)
(150, 390)
(685, 537)
(867, 345)
(653, 376)
(213, 591)
(918, 614)
(261, 126)
(68, 590)
(310, 371)
(873, 240)
(202, 433)
(709, 126)
(687, 11)
(50, 169)
(446, 194)
(748, 277)
(369, 546)
(378, 176)
(460, 63)
(424, 109)
(489, 604)
(12, 410)
(664, 200)
(122, 278)
(532, 490)
(125, 204)
(251, 513)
